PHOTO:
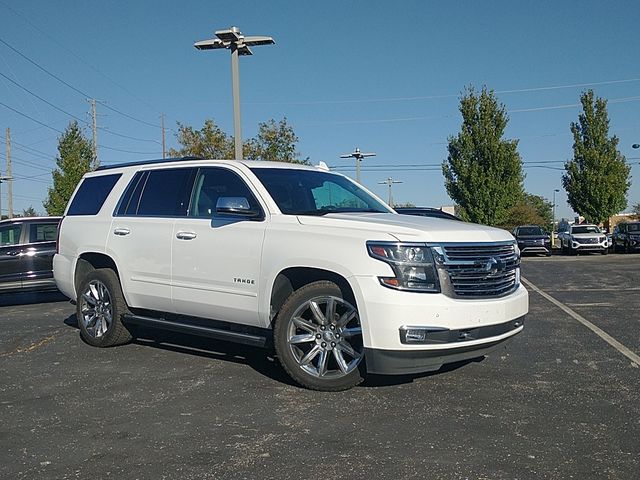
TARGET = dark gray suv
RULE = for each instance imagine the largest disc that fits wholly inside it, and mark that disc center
(27, 246)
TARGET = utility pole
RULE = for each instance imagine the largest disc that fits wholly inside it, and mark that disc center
(94, 126)
(390, 181)
(358, 155)
(9, 177)
(164, 147)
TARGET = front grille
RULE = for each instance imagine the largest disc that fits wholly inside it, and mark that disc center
(481, 270)
(586, 241)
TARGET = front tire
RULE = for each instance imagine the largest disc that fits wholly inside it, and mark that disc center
(99, 309)
(318, 338)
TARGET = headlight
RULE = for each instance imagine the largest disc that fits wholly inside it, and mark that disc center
(412, 264)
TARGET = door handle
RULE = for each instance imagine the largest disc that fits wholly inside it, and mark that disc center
(121, 231)
(186, 235)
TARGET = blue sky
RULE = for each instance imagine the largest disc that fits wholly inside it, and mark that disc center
(379, 75)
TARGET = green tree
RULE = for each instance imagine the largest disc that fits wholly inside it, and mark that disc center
(75, 158)
(597, 179)
(29, 212)
(275, 142)
(483, 172)
(530, 210)
(208, 142)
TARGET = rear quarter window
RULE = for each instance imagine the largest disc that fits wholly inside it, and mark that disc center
(43, 232)
(91, 194)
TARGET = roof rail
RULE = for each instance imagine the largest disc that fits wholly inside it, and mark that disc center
(149, 162)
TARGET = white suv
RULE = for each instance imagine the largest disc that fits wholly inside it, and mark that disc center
(584, 238)
(294, 257)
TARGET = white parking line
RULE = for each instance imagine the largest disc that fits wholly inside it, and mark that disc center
(598, 331)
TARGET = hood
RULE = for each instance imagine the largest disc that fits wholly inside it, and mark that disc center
(409, 228)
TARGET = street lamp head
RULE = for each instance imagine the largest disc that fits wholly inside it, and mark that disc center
(557, 190)
(635, 145)
(238, 44)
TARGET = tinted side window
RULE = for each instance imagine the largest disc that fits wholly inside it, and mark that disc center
(166, 193)
(91, 195)
(128, 204)
(10, 235)
(213, 183)
(43, 232)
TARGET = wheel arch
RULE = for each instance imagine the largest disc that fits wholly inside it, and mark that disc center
(291, 279)
(89, 261)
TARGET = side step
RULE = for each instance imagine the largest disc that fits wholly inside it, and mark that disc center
(199, 330)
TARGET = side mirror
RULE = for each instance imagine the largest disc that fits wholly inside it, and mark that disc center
(236, 206)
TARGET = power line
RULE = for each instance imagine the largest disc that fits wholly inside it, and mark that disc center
(30, 150)
(437, 117)
(40, 98)
(77, 90)
(127, 151)
(438, 97)
(62, 133)
(29, 117)
(72, 115)
(35, 27)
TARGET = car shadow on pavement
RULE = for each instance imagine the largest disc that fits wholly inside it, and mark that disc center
(28, 298)
(390, 380)
(262, 360)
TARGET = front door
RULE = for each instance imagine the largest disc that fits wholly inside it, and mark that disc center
(216, 260)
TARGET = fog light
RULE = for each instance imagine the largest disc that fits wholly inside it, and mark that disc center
(415, 335)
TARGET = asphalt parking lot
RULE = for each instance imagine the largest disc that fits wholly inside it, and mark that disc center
(560, 401)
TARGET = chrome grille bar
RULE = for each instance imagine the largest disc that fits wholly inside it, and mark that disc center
(482, 270)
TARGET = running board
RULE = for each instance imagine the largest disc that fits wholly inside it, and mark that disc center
(199, 330)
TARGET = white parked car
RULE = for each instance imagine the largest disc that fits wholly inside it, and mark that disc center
(289, 256)
(584, 238)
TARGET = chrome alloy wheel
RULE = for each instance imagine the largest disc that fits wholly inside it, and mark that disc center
(96, 309)
(325, 337)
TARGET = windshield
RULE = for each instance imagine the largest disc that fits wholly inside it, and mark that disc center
(308, 192)
(634, 227)
(529, 231)
(585, 229)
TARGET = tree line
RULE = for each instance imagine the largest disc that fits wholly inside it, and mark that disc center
(483, 171)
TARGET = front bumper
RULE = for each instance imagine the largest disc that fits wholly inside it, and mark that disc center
(405, 362)
(535, 248)
(589, 247)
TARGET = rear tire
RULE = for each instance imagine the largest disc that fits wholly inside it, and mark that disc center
(100, 307)
(318, 338)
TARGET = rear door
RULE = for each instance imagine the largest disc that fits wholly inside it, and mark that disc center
(140, 238)
(37, 254)
(10, 247)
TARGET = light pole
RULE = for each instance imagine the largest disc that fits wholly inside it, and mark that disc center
(234, 40)
(554, 206)
(553, 224)
(390, 181)
(358, 155)
(2, 179)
